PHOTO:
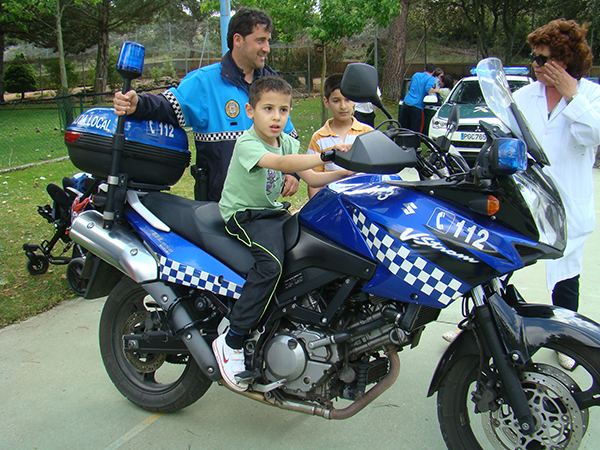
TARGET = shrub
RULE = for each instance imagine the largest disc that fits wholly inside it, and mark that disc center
(380, 55)
(19, 76)
(167, 70)
(53, 69)
(114, 80)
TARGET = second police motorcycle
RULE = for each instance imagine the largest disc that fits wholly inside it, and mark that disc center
(371, 260)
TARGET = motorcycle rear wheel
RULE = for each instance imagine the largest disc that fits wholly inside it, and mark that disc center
(156, 382)
(549, 389)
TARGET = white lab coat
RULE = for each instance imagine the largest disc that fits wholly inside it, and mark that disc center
(569, 137)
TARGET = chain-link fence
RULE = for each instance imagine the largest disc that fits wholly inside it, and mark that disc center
(32, 131)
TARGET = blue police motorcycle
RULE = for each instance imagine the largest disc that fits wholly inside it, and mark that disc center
(370, 261)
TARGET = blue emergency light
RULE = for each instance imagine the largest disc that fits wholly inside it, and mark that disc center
(508, 155)
(131, 60)
(516, 71)
(508, 71)
(129, 65)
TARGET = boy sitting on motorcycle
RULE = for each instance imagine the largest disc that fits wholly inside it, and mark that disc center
(250, 208)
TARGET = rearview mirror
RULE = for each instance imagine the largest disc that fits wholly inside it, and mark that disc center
(431, 99)
(454, 118)
(359, 83)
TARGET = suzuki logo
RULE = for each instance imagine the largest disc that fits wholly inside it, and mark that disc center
(409, 208)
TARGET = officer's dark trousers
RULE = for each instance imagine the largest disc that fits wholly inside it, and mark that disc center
(566, 293)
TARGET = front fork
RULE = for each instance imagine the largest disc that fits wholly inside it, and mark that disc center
(508, 372)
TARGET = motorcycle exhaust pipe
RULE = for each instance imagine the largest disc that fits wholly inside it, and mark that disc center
(336, 414)
(374, 392)
(117, 246)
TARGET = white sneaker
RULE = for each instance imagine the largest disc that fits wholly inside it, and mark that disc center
(231, 363)
(566, 362)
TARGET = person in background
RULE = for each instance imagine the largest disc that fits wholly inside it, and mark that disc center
(211, 101)
(342, 128)
(437, 73)
(446, 85)
(252, 213)
(563, 111)
(365, 112)
(412, 115)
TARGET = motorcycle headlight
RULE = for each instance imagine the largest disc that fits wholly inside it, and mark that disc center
(547, 210)
(438, 123)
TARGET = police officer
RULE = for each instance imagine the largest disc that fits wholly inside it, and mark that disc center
(211, 101)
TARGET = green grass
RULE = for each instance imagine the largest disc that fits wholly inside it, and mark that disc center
(23, 295)
(29, 135)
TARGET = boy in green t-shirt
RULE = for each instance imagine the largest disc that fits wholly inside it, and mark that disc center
(252, 213)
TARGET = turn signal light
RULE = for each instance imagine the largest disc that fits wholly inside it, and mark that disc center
(493, 205)
(482, 205)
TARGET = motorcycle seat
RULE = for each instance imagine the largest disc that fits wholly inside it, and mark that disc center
(201, 224)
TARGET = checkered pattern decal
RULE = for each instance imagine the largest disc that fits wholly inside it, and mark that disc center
(227, 136)
(217, 137)
(174, 272)
(406, 264)
(176, 107)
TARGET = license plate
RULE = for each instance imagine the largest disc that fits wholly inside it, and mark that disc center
(472, 137)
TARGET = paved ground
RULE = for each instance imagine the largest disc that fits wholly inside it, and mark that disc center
(55, 394)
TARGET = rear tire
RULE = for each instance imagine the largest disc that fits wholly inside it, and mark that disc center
(549, 390)
(156, 382)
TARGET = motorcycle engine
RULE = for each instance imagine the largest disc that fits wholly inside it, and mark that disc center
(288, 357)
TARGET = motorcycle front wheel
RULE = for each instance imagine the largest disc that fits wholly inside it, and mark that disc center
(154, 381)
(551, 392)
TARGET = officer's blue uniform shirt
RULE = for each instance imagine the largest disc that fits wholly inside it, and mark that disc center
(210, 100)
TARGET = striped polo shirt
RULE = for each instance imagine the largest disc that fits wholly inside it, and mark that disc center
(324, 139)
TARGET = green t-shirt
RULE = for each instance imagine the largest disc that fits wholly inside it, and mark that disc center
(249, 186)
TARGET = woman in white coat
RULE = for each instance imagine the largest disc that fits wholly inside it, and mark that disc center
(563, 110)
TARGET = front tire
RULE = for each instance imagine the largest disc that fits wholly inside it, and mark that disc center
(550, 392)
(156, 382)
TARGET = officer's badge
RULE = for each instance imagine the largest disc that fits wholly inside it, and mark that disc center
(232, 108)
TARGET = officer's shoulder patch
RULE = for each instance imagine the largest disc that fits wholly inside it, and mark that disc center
(232, 109)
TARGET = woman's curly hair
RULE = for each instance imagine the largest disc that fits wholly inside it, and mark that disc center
(566, 39)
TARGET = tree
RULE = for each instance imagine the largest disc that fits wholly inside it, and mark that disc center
(122, 15)
(393, 72)
(53, 69)
(41, 10)
(10, 25)
(39, 30)
(327, 21)
(19, 76)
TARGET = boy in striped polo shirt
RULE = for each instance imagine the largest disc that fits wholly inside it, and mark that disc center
(341, 129)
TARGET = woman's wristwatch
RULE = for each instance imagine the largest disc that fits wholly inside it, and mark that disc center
(572, 97)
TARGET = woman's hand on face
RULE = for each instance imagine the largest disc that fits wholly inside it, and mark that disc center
(558, 77)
